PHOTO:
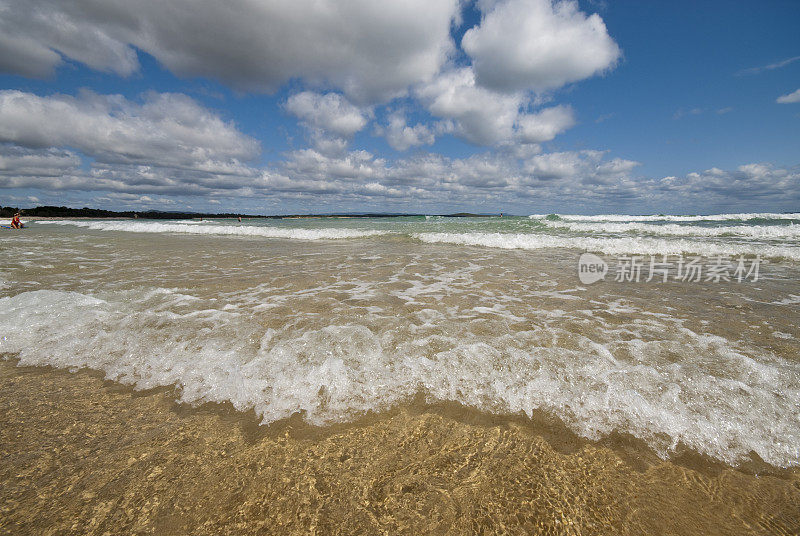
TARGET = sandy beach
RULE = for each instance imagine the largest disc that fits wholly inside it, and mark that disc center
(80, 455)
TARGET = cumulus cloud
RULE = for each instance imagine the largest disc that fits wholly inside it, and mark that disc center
(545, 124)
(357, 165)
(330, 119)
(401, 136)
(616, 167)
(165, 143)
(581, 179)
(370, 50)
(537, 44)
(352, 54)
(432, 178)
(486, 117)
(790, 98)
(136, 201)
(585, 166)
(554, 165)
(756, 184)
(24, 162)
(163, 130)
(329, 112)
(312, 175)
(480, 116)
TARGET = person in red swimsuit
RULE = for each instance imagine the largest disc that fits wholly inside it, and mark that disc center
(15, 223)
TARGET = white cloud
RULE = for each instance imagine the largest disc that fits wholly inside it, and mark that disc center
(559, 165)
(790, 98)
(584, 180)
(326, 144)
(438, 179)
(616, 167)
(23, 162)
(357, 165)
(352, 53)
(329, 112)
(545, 124)
(330, 119)
(537, 45)
(401, 136)
(135, 201)
(370, 50)
(584, 167)
(167, 144)
(749, 186)
(164, 130)
(480, 116)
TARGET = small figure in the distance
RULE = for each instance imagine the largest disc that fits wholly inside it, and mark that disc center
(15, 223)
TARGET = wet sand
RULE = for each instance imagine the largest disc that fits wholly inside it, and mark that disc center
(80, 455)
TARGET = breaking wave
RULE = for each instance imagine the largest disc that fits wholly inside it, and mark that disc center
(745, 216)
(612, 245)
(215, 229)
(715, 400)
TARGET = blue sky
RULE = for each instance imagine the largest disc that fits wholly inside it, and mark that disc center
(522, 106)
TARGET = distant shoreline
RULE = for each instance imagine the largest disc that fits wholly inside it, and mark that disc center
(56, 213)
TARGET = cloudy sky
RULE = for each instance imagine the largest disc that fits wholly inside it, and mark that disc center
(519, 106)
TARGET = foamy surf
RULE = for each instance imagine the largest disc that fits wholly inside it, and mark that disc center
(218, 351)
(335, 329)
(777, 241)
(762, 232)
(612, 245)
(191, 227)
(743, 216)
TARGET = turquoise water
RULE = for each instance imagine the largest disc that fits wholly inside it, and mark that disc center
(768, 235)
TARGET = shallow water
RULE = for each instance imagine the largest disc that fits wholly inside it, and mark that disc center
(334, 318)
(83, 456)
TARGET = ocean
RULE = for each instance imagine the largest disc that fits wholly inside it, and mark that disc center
(332, 319)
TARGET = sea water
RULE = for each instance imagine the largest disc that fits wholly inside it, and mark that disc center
(336, 317)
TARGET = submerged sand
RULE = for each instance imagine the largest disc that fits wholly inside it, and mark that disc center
(80, 455)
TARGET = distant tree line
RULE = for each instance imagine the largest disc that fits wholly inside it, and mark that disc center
(86, 212)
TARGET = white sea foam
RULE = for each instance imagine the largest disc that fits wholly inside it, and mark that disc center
(680, 238)
(209, 229)
(631, 245)
(765, 232)
(716, 398)
(745, 216)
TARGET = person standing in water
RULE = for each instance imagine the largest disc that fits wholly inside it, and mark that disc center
(15, 223)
